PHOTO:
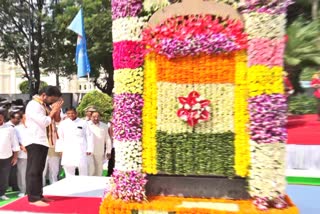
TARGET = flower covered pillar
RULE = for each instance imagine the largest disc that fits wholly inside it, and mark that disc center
(128, 182)
(265, 26)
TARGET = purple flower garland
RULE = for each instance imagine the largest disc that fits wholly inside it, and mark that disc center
(125, 8)
(127, 118)
(268, 117)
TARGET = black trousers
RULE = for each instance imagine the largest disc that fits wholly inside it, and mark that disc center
(5, 165)
(36, 161)
(111, 163)
(13, 179)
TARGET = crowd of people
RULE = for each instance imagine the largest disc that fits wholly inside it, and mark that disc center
(35, 145)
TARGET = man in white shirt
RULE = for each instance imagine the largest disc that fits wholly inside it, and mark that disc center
(15, 118)
(22, 135)
(9, 148)
(41, 130)
(101, 139)
(75, 143)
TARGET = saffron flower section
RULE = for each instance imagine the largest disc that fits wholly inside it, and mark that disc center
(268, 117)
(191, 35)
(128, 186)
(128, 54)
(124, 8)
(127, 117)
(193, 109)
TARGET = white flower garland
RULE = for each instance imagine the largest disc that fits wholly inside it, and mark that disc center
(263, 25)
(267, 174)
(152, 5)
(128, 28)
(128, 155)
(128, 81)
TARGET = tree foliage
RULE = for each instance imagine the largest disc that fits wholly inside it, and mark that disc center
(61, 47)
(101, 101)
(52, 45)
(24, 86)
(303, 48)
(22, 24)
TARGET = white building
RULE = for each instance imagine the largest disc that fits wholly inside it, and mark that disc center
(11, 77)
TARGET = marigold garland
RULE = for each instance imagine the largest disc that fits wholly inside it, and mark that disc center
(265, 80)
(241, 117)
(128, 81)
(161, 203)
(196, 69)
(149, 116)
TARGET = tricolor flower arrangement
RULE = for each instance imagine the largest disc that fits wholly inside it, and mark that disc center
(158, 108)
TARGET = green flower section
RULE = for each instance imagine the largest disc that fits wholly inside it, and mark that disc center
(195, 154)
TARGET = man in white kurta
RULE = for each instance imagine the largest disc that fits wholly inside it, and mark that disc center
(75, 143)
(22, 135)
(9, 148)
(102, 144)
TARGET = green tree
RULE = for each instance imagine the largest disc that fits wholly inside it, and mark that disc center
(101, 101)
(61, 47)
(22, 24)
(24, 86)
(302, 50)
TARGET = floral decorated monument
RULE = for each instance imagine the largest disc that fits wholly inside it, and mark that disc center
(199, 107)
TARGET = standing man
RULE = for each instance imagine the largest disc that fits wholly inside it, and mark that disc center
(101, 139)
(22, 135)
(9, 148)
(75, 143)
(15, 118)
(41, 112)
(88, 112)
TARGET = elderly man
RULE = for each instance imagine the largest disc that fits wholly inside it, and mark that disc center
(88, 112)
(9, 148)
(101, 139)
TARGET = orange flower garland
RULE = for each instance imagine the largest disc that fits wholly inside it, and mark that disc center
(196, 69)
(161, 203)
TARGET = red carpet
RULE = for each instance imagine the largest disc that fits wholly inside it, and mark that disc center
(79, 205)
(303, 130)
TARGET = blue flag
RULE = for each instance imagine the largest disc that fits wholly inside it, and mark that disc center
(82, 59)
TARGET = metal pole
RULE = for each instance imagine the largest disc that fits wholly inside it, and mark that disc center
(30, 51)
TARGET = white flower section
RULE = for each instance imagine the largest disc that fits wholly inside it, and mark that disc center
(263, 25)
(128, 28)
(128, 155)
(267, 175)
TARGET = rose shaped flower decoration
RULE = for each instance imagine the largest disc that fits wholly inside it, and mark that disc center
(193, 108)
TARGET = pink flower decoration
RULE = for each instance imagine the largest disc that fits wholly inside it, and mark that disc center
(194, 109)
(267, 52)
(128, 54)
